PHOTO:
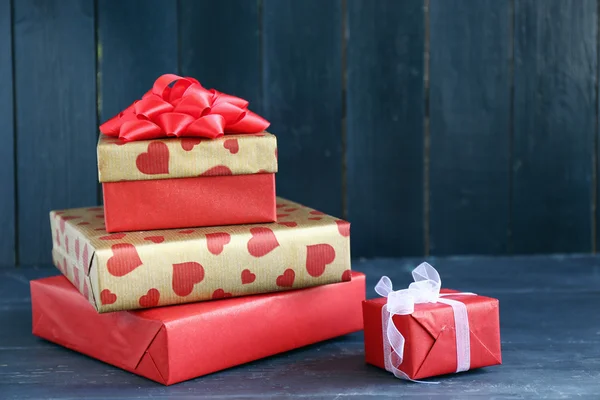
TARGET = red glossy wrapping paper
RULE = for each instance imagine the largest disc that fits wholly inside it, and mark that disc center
(430, 347)
(177, 343)
(189, 202)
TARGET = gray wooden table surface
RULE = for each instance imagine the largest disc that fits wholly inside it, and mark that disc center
(550, 326)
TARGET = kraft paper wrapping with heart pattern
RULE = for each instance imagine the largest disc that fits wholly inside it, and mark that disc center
(185, 157)
(125, 271)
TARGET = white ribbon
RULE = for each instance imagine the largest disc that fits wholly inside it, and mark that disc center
(425, 289)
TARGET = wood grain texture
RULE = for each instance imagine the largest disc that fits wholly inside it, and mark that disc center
(220, 46)
(554, 125)
(385, 117)
(469, 114)
(137, 42)
(302, 80)
(545, 357)
(7, 132)
(55, 115)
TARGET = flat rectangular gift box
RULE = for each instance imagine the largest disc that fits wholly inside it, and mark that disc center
(176, 343)
(430, 337)
(124, 271)
(187, 182)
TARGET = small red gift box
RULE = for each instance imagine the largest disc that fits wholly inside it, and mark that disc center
(432, 336)
(176, 343)
(184, 156)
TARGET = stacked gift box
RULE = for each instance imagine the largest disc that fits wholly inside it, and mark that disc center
(193, 265)
(190, 216)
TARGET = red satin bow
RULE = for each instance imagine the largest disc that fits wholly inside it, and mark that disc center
(183, 109)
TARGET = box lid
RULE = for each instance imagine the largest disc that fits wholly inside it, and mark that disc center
(185, 157)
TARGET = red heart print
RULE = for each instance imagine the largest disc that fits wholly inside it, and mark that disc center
(317, 258)
(219, 170)
(76, 277)
(289, 224)
(263, 241)
(150, 299)
(63, 220)
(280, 205)
(155, 161)
(83, 223)
(107, 297)
(343, 227)
(315, 218)
(86, 291)
(290, 209)
(124, 260)
(100, 216)
(217, 241)
(57, 238)
(262, 171)
(95, 209)
(84, 256)
(98, 229)
(155, 239)
(77, 249)
(187, 231)
(347, 275)
(247, 277)
(315, 212)
(185, 276)
(287, 279)
(67, 244)
(231, 145)
(188, 143)
(60, 212)
(220, 294)
(114, 236)
(282, 215)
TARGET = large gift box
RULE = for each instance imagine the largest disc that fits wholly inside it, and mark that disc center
(124, 271)
(173, 344)
(184, 156)
(424, 331)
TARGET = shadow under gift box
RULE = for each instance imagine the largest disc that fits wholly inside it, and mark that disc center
(130, 270)
(176, 343)
(187, 182)
(429, 332)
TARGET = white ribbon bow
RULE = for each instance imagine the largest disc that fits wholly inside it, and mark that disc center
(425, 289)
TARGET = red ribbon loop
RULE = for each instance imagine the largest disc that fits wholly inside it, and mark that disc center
(177, 106)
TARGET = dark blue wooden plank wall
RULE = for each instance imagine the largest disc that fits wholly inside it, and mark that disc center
(302, 95)
(385, 126)
(7, 171)
(55, 92)
(555, 122)
(131, 34)
(469, 126)
(434, 126)
(220, 46)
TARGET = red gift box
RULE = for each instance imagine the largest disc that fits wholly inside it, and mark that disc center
(430, 335)
(184, 156)
(176, 343)
(203, 201)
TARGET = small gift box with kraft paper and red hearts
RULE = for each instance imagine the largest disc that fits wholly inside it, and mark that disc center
(173, 344)
(130, 270)
(184, 156)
